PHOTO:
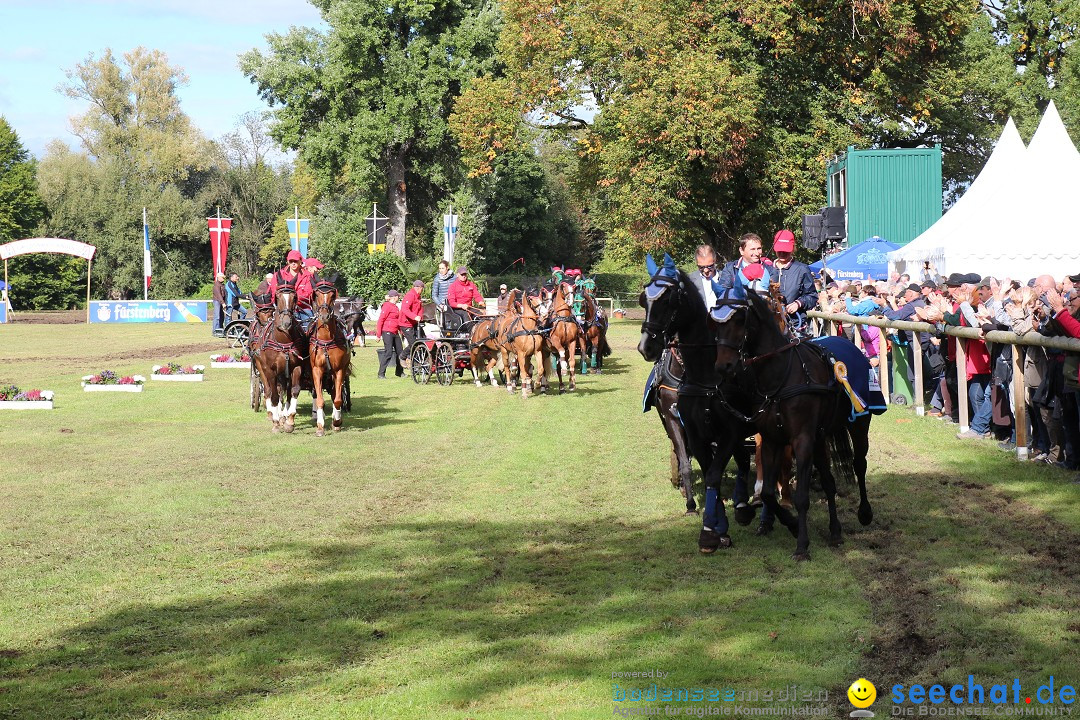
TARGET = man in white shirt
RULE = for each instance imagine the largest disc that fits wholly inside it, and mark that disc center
(703, 277)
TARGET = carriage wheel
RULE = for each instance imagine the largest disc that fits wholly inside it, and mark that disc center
(444, 364)
(256, 387)
(346, 396)
(420, 359)
(238, 334)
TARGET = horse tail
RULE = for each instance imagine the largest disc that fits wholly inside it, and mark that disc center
(605, 349)
(841, 451)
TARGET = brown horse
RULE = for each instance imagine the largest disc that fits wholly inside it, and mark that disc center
(280, 363)
(521, 339)
(484, 351)
(596, 344)
(330, 354)
(566, 336)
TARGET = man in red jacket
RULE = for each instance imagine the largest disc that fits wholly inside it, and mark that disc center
(387, 329)
(412, 312)
(463, 296)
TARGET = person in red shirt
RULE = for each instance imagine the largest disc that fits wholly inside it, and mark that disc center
(412, 312)
(293, 273)
(387, 329)
(463, 296)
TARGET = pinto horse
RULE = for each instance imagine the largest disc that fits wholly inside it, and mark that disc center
(796, 401)
(280, 363)
(675, 316)
(566, 337)
(330, 354)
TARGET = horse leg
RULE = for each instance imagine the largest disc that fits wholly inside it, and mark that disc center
(524, 373)
(491, 363)
(474, 364)
(273, 412)
(860, 445)
(677, 435)
(772, 454)
(294, 393)
(828, 485)
(744, 514)
(339, 397)
(317, 400)
(571, 359)
(803, 448)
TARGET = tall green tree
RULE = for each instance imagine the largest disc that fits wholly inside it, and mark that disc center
(366, 103)
(21, 208)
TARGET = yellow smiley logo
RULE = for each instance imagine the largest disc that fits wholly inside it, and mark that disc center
(862, 693)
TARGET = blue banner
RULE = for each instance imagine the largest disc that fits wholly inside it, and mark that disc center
(298, 237)
(3, 312)
(140, 311)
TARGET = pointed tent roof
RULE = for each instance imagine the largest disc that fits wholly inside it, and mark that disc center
(985, 192)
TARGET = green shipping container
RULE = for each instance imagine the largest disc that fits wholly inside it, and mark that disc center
(894, 194)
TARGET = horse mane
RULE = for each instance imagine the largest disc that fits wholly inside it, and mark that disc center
(763, 310)
(590, 307)
(776, 303)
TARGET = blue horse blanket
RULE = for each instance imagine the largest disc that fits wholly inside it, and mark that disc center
(861, 378)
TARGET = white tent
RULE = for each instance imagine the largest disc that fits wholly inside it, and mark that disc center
(991, 191)
(1017, 219)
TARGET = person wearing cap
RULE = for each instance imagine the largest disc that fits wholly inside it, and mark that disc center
(312, 265)
(503, 299)
(440, 285)
(219, 304)
(412, 313)
(703, 277)
(749, 270)
(232, 296)
(387, 328)
(796, 282)
(293, 274)
(463, 296)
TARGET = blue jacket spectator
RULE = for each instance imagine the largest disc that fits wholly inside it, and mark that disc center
(440, 285)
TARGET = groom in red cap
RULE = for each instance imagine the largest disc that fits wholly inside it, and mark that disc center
(293, 274)
(796, 282)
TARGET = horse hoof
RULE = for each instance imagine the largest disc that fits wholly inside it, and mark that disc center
(479, 384)
(763, 530)
(319, 432)
(744, 514)
(289, 427)
(801, 557)
(688, 513)
(275, 428)
(866, 515)
(710, 541)
(836, 541)
(337, 428)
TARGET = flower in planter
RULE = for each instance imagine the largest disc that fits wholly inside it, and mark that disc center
(108, 377)
(177, 369)
(11, 393)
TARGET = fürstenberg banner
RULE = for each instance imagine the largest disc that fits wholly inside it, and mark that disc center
(139, 311)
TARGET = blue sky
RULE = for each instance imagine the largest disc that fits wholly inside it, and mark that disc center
(43, 38)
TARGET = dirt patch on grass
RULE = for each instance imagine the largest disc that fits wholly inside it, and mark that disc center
(50, 317)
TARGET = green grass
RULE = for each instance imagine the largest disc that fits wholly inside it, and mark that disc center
(463, 553)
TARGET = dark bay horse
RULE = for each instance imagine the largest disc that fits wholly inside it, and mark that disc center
(798, 402)
(675, 315)
(280, 362)
(330, 354)
(596, 344)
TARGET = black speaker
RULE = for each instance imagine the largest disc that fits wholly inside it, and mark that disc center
(811, 232)
(833, 224)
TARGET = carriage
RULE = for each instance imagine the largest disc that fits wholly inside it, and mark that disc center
(444, 355)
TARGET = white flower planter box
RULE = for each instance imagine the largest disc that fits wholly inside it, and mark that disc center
(26, 404)
(111, 388)
(216, 364)
(178, 378)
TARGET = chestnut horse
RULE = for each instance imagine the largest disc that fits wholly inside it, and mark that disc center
(521, 339)
(279, 361)
(330, 354)
(484, 351)
(566, 336)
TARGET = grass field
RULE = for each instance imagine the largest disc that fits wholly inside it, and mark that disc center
(461, 553)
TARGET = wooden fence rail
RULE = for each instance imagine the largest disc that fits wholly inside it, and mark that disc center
(996, 336)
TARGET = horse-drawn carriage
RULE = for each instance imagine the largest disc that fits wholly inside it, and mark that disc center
(444, 355)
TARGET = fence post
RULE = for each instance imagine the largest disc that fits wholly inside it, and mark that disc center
(1019, 389)
(883, 364)
(961, 383)
(917, 358)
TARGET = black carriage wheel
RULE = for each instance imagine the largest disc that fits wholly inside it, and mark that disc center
(256, 387)
(444, 364)
(238, 333)
(420, 360)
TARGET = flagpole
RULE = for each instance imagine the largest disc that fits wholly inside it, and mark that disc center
(145, 289)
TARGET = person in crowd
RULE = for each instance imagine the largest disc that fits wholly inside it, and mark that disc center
(219, 305)
(387, 329)
(293, 273)
(232, 297)
(702, 278)
(264, 286)
(412, 313)
(463, 296)
(749, 257)
(503, 299)
(312, 266)
(1066, 316)
(440, 285)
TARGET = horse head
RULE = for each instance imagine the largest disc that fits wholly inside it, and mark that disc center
(662, 297)
(325, 295)
(284, 305)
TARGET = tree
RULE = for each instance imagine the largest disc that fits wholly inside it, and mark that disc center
(21, 208)
(366, 104)
(713, 117)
